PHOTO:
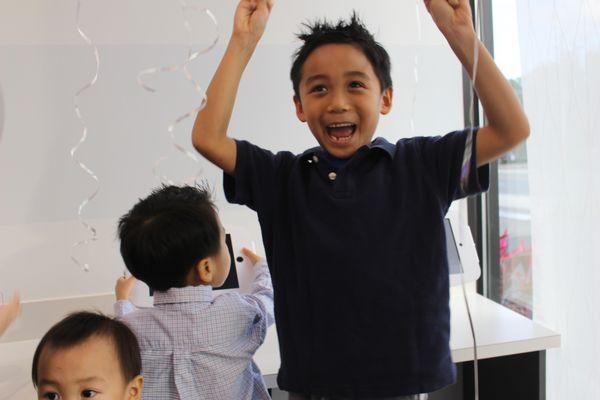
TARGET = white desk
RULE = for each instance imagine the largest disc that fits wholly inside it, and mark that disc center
(500, 332)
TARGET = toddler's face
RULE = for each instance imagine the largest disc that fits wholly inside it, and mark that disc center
(90, 369)
(341, 98)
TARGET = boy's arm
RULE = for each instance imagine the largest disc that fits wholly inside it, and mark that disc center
(507, 124)
(209, 135)
(123, 289)
(262, 287)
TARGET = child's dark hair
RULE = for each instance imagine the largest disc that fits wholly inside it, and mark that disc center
(351, 32)
(78, 327)
(164, 235)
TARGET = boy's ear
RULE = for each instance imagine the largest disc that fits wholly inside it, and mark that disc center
(135, 388)
(299, 109)
(204, 270)
(386, 101)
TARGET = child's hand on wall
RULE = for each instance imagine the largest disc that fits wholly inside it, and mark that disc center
(9, 312)
(250, 20)
(453, 18)
(123, 287)
(252, 256)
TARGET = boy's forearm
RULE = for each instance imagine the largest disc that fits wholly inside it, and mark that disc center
(212, 121)
(498, 98)
(500, 103)
(262, 289)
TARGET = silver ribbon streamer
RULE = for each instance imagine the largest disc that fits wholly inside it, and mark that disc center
(191, 56)
(94, 235)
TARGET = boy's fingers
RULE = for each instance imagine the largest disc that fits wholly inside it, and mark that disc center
(452, 3)
(251, 255)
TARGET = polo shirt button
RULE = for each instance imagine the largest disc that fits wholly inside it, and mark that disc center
(332, 176)
(315, 159)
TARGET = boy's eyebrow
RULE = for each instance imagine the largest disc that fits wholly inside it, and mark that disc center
(82, 380)
(316, 77)
(46, 382)
(90, 379)
(359, 74)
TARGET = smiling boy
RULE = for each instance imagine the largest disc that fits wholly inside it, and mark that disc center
(353, 228)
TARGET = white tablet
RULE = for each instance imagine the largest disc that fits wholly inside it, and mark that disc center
(461, 252)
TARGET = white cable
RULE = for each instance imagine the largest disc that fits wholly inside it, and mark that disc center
(471, 121)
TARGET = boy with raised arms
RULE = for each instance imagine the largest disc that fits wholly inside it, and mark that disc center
(353, 228)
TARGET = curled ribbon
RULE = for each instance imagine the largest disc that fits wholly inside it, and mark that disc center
(92, 82)
(191, 56)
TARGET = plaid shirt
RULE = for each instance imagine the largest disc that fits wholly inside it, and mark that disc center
(196, 346)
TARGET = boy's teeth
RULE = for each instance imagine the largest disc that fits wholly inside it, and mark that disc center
(340, 139)
(341, 132)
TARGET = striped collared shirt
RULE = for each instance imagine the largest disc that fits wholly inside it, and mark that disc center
(197, 346)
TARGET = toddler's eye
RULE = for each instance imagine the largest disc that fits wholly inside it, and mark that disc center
(51, 396)
(356, 84)
(318, 89)
(88, 393)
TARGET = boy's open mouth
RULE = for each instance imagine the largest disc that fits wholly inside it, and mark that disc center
(341, 132)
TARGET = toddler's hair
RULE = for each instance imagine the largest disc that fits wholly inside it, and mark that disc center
(164, 235)
(80, 326)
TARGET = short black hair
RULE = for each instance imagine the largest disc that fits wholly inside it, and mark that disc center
(80, 326)
(352, 32)
(164, 235)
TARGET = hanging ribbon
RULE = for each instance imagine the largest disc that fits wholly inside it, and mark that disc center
(92, 82)
(191, 56)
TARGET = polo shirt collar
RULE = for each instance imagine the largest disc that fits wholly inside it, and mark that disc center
(379, 144)
(188, 294)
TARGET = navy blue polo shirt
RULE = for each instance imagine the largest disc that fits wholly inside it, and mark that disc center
(358, 260)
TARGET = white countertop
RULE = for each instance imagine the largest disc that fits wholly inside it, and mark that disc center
(499, 332)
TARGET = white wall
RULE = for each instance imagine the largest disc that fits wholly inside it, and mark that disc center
(560, 53)
(43, 61)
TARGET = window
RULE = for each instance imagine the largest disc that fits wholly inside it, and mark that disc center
(507, 255)
(514, 284)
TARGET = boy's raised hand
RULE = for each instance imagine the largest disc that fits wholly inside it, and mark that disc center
(507, 124)
(250, 19)
(209, 134)
(452, 17)
(123, 287)
(252, 256)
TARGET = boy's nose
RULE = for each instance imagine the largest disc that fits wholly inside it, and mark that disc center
(338, 104)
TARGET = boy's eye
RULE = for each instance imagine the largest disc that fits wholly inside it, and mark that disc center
(356, 84)
(88, 393)
(318, 88)
(51, 396)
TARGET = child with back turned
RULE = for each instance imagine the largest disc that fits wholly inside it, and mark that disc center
(353, 228)
(194, 345)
